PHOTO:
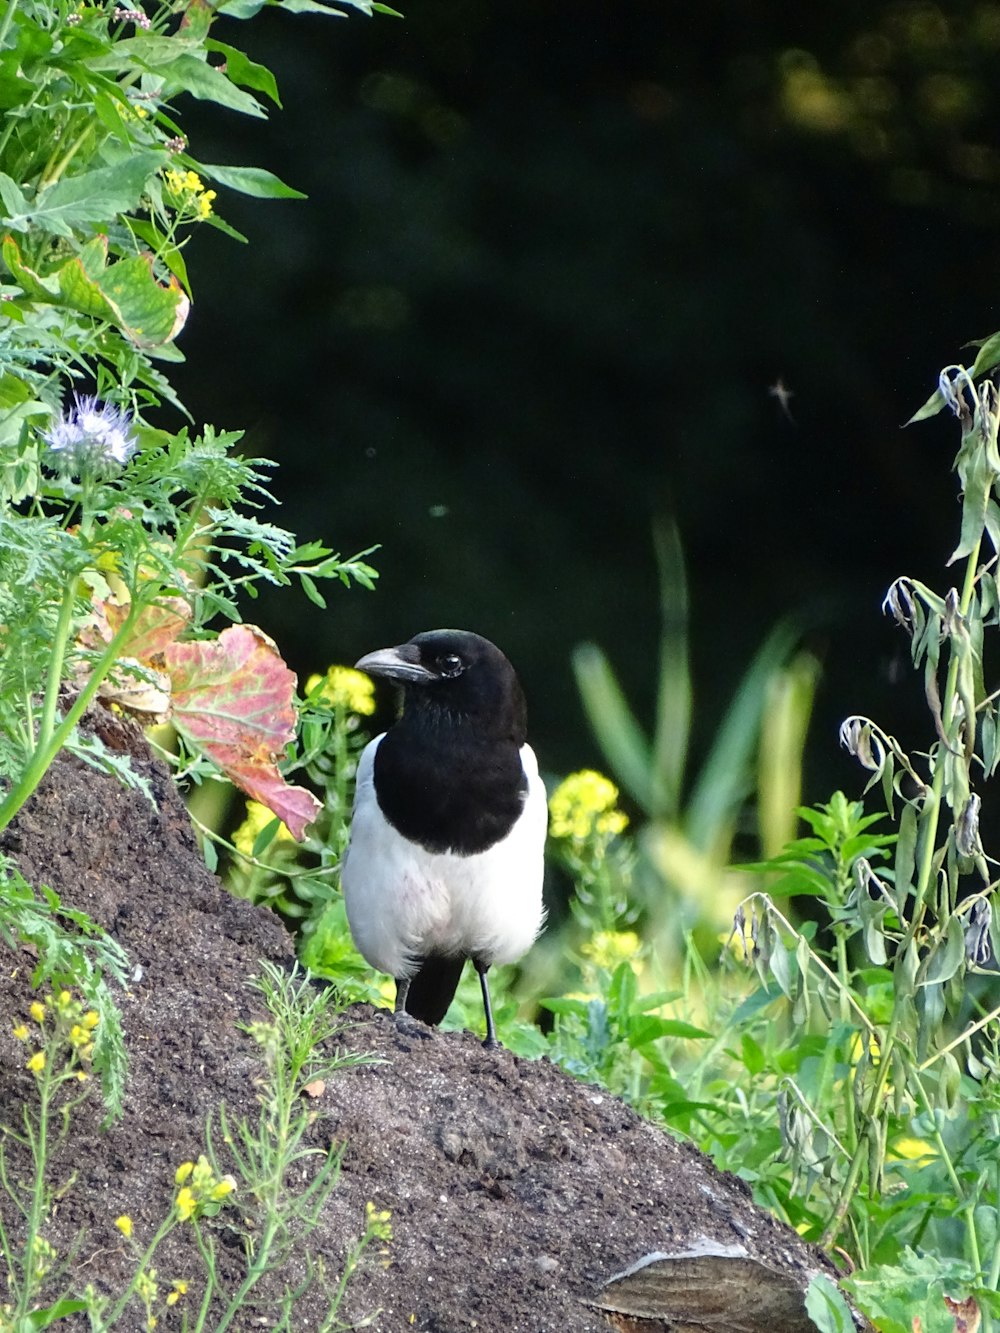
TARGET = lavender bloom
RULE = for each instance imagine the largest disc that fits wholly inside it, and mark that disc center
(92, 436)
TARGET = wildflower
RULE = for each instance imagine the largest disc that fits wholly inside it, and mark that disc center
(189, 194)
(124, 1225)
(204, 1188)
(343, 687)
(607, 948)
(146, 1288)
(91, 436)
(135, 16)
(37, 1011)
(379, 1221)
(90, 1019)
(257, 819)
(43, 1253)
(584, 805)
(21, 1031)
(222, 1189)
(37, 1062)
(178, 1290)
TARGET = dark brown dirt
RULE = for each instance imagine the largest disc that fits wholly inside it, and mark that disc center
(515, 1191)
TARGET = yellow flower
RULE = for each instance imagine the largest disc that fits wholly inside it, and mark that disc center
(124, 1225)
(608, 948)
(21, 1032)
(379, 1221)
(222, 1188)
(64, 999)
(90, 1019)
(205, 203)
(584, 805)
(179, 1289)
(37, 1011)
(182, 1172)
(343, 687)
(186, 1203)
(37, 1062)
(257, 819)
(912, 1150)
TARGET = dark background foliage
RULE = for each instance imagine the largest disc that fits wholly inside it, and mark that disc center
(552, 260)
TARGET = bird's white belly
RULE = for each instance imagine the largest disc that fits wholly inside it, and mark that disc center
(404, 902)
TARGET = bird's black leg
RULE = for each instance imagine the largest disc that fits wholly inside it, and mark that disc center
(491, 1033)
(405, 1022)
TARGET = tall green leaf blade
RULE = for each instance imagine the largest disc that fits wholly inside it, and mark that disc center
(254, 181)
(673, 701)
(613, 723)
(725, 776)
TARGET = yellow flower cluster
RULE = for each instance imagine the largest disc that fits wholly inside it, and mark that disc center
(607, 948)
(585, 806)
(205, 1188)
(64, 1022)
(189, 192)
(379, 1221)
(257, 819)
(343, 687)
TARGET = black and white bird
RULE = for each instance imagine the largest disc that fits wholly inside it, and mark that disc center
(445, 858)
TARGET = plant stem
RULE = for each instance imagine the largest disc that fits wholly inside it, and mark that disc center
(929, 818)
(47, 749)
(5, 23)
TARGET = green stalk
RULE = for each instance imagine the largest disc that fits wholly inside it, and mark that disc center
(47, 747)
(53, 679)
(36, 1211)
(6, 21)
(993, 1278)
(165, 1227)
(929, 818)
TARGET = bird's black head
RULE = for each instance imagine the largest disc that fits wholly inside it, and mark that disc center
(454, 673)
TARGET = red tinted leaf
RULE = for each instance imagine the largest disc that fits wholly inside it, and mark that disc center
(155, 627)
(231, 698)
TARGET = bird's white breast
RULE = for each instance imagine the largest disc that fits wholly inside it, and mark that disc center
(404, 902)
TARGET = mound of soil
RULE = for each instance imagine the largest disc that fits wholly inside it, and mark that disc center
(515, 1191)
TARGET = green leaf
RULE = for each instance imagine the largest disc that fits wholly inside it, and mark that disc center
(93, 196)
(931, 408)
(61, 1310)
(947, 955)
(265, 837)
(827, 1308)
(189, 74)
(987, 357)
(312, 592)
(125, 293)
(622, 740)
(246, 72)
(673, 702)
(725, 775)
(647, 1028)
(254, 181)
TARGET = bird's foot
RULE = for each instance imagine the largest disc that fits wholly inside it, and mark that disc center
(408, 1026)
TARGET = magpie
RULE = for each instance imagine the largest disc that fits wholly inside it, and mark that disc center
(445, 856)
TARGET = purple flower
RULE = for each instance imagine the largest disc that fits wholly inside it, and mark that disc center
(92, 435)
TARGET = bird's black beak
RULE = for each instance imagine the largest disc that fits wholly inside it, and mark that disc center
(400, 664)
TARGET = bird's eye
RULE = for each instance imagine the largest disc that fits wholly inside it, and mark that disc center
(450, 664)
